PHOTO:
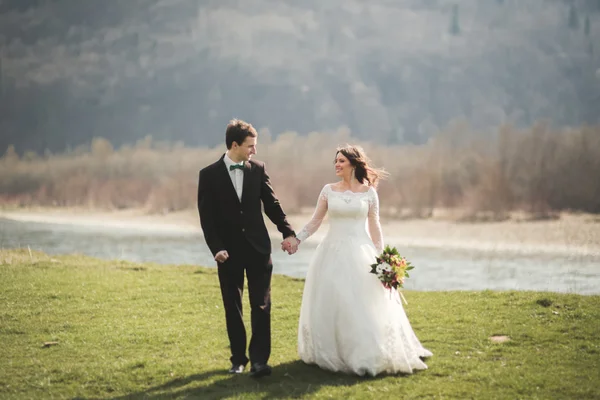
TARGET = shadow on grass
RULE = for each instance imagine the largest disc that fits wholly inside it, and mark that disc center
(293, 379)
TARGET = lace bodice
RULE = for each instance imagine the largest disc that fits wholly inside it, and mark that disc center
(350, 214)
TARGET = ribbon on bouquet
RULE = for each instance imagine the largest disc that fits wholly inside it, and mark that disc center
(401, 295)
(398, 296)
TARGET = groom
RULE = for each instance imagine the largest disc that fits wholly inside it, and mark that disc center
(230, 193)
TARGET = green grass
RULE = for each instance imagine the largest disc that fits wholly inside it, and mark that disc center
(143, 331)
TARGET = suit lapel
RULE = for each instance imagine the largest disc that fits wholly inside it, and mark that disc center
(224, 176)
(246, 185)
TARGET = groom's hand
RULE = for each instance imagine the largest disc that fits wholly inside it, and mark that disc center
(286, 245)
(290, 244)
(221, 256)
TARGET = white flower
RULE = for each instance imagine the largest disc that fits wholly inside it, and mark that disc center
(382, 268)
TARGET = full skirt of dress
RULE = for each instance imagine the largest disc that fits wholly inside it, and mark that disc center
(348, 321)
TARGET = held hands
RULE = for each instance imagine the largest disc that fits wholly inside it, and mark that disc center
(290, 244)
(221, 256)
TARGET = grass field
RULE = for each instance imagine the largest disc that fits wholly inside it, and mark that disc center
(144, 331)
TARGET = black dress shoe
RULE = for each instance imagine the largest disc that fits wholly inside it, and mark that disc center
(259, 370)
(236, 369)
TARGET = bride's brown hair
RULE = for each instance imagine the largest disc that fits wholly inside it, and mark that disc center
(363, 170)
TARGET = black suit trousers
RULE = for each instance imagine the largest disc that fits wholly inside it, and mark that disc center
(258, 269)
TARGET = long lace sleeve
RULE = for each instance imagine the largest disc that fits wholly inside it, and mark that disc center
(315, 222)
(374, 225)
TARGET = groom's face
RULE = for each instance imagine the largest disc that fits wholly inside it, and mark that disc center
(246, 150)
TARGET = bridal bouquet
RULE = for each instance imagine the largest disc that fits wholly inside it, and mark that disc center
(391, 268)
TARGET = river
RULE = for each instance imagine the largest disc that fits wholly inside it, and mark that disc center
(436, 267)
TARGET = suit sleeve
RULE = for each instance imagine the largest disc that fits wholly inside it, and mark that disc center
(206, 210)
(273, 207)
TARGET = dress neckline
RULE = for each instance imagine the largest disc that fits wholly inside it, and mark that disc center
(348, 191)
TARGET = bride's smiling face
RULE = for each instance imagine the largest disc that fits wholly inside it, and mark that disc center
(343, 168)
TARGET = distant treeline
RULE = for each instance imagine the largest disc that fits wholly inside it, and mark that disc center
(539, 170)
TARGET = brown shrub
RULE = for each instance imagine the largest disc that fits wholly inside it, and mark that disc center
(539, 170)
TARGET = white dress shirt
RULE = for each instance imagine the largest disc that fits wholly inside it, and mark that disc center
(237, 176)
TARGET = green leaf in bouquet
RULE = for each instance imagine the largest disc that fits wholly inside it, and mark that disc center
(410, 267)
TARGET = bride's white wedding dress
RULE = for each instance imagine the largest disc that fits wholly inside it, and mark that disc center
(348, 321)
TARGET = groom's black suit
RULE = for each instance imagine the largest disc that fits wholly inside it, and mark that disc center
(239, 228)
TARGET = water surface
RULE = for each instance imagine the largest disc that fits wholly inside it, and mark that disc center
(437, 268)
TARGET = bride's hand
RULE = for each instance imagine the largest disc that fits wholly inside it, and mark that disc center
(290, 244)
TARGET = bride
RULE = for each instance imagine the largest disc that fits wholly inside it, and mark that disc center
(348, 320)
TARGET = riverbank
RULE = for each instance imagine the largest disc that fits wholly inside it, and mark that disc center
(78, 327)
(571, 234)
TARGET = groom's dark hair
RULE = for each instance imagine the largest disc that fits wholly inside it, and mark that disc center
(237, 131)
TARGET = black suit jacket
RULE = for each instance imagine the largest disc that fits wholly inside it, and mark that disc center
(226, 221)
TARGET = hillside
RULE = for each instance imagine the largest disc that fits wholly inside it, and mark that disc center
(394, 72)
